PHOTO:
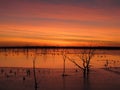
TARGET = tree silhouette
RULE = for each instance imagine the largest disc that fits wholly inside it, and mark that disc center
(64, 61)
(34, 73)
(85, 58)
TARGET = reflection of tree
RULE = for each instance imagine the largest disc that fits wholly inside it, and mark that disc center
(86, 83)
(64, 83)
(34, 74)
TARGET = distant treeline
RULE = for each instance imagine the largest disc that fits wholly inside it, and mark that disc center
(62, 47)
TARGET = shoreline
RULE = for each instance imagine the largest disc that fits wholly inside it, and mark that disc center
(62, 47)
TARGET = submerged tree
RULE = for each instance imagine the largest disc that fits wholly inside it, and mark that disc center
(64, 61)
(34, 74)
(85, 57)
(106, 64)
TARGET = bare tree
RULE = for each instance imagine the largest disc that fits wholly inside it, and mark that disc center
(85, 57)
(64, 61)
(34, 74)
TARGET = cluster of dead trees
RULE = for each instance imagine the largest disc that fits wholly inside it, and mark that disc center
(83, 62)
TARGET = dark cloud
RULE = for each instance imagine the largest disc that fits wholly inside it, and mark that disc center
(88, 2)
(105, 3)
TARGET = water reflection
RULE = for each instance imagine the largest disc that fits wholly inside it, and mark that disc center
(86, 83)
(64, 83)
(50, 64)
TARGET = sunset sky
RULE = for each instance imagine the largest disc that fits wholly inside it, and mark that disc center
(60, 22)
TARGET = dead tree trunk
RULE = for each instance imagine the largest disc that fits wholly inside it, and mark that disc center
(64, 61)
(34, 74)
(85, 58)
(63, 67)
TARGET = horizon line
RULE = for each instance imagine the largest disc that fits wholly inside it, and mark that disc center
(63, 47)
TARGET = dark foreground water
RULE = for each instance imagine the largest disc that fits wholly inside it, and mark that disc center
(51, 79)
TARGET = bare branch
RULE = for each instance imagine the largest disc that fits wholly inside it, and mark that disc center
(73, 61)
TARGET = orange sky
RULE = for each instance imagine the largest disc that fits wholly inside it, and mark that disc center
(60, 22)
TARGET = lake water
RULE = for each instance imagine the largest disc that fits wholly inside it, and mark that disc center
(14, 64)
(53, 58)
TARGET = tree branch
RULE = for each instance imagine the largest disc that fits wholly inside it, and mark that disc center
(75, 63)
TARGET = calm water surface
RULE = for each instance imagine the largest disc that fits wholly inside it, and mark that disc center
(49, 63)
(52, 58)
